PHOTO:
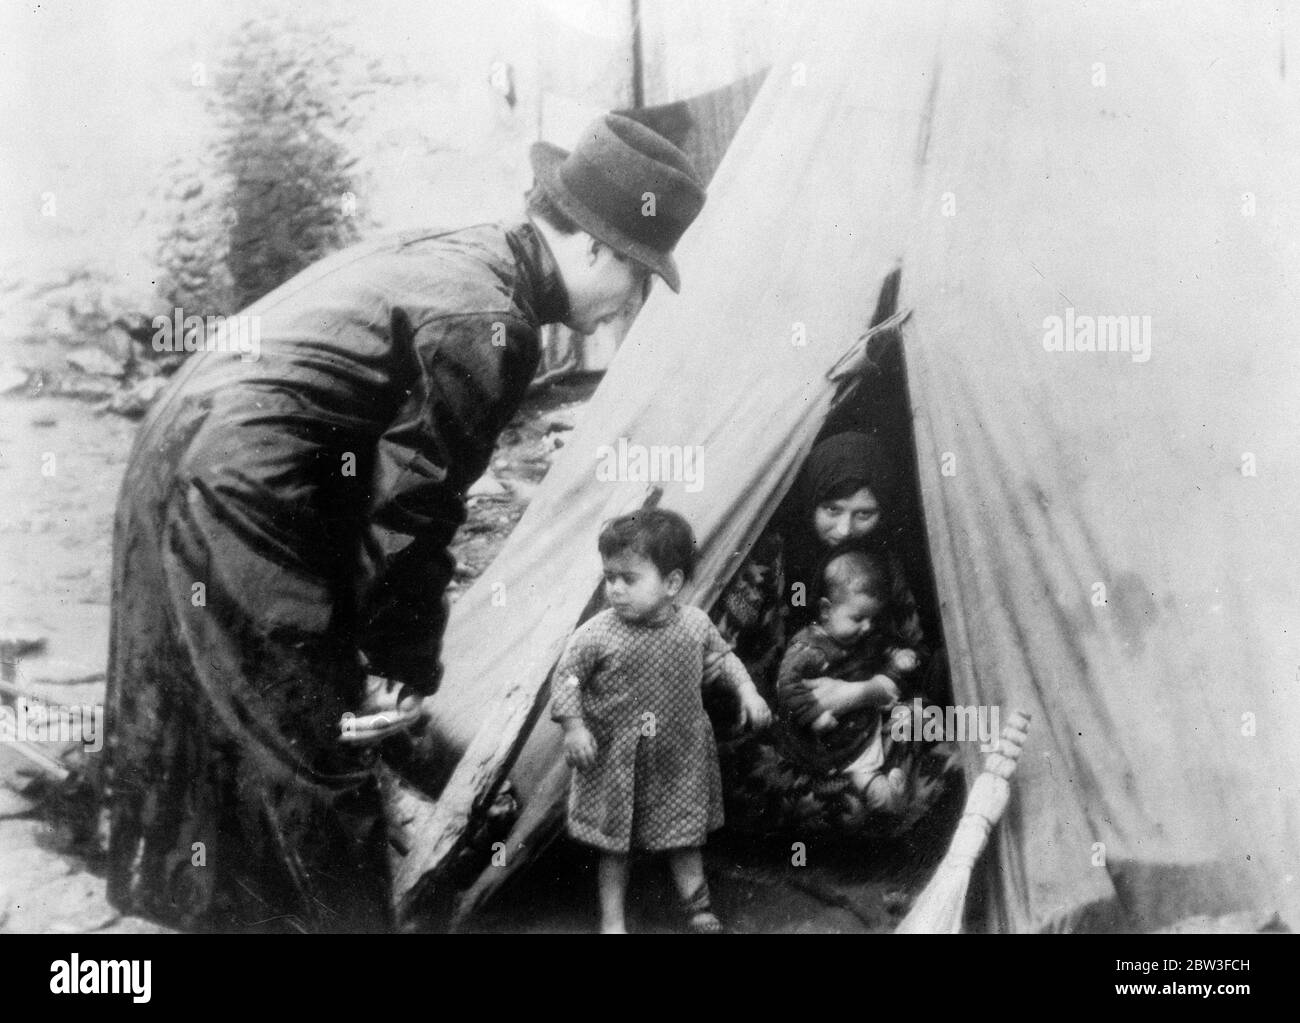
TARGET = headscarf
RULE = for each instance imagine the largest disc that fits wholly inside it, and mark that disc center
(841, 464)
(845, 463)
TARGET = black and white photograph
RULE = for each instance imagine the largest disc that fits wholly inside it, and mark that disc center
(539, 467)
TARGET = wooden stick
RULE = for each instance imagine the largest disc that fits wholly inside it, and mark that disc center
(940, 906)
(43, 760)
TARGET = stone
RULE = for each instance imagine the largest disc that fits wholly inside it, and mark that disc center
(487, 486)
(134, 401)
(552, 442)
(86, 387)
(95, 362)
(560, 419)
(524, 490)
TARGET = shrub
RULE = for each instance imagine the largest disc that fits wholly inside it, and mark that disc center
(276, 191)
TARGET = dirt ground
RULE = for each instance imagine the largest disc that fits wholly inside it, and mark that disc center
(61, 463)
(55, 553)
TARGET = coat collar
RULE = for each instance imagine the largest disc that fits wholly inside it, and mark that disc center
(539, 273)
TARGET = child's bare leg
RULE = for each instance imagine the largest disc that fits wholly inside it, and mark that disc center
(687, 866)
(611, 874)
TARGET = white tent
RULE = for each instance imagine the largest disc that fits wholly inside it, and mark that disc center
(1113, 532)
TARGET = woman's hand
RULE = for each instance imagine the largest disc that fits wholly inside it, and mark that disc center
(579, 744)
(390, 708)
(828, 696)
(839, 698)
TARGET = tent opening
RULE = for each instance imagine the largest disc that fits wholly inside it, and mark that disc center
(877, 402)
(778, 882)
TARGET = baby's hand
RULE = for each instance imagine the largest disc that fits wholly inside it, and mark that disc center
(825, 722)
(904, 660)
(754, 711)
(579, 746)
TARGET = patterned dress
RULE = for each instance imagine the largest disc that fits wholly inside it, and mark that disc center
(655, 784)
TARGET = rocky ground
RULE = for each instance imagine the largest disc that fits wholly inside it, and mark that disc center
(63, 447)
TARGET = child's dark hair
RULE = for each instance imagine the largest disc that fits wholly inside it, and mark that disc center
(856, 571)
(660, 535)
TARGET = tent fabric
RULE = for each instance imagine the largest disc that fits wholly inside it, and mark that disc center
(1112, 538)
(1163, 763)
(703, 126)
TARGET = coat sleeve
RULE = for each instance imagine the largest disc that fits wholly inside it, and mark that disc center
(466, 376)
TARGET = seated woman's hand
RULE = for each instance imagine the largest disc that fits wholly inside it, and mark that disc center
(828, 696)
(389, 708)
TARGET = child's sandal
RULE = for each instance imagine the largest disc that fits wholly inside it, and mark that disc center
(698, 910)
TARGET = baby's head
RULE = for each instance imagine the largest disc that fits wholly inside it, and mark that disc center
(855, 593)
(648, 556)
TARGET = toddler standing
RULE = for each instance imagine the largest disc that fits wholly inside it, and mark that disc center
(627, 692)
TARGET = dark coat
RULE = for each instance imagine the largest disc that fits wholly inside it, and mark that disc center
(282, 517)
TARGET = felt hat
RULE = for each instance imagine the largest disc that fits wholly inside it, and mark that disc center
(626, 186)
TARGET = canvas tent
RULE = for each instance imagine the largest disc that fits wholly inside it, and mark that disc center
(1113, 532)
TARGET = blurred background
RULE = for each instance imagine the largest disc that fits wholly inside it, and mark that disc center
(155, 154)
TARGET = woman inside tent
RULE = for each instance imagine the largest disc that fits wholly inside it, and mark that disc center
(843, 499)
